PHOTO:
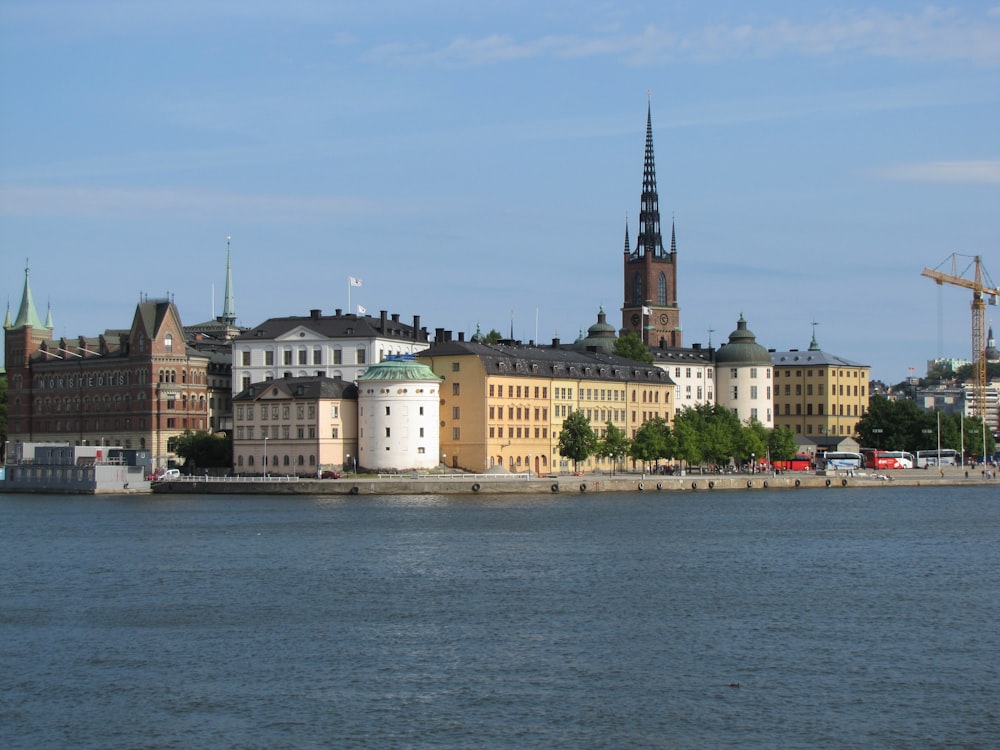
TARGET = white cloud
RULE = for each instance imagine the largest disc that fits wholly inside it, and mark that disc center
(143, 203)
(933, 34)
(956, 172)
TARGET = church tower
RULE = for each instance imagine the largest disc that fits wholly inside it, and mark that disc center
(650, 272)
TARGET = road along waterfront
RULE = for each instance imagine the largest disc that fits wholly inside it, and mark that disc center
(517, 484)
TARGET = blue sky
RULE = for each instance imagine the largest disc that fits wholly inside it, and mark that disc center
(475, 162)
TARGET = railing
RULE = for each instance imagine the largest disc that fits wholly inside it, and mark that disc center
(456, 477)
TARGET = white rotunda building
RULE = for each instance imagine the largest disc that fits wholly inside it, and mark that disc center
(398, 416)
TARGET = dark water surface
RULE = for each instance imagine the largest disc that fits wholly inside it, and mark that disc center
(848, 618)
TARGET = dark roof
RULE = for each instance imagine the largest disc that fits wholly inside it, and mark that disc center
(311, 387)
(796, 358)
(337, 326)
(548, 362)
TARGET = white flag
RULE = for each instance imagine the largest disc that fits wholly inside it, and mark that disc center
(355, 282)
(647, 310)
(361, 310)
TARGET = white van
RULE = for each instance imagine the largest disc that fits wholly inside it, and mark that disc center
(168, 474)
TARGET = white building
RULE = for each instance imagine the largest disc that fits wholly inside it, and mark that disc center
(399, 416)
(743, 377)
(692, 369)
(332, 346)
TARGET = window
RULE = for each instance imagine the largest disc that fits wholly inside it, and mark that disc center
(245, 355)
(734, 392)
(455, 366)
(361, 355)
(168, 342)
(286, 356)
(388, 432)
(753, 372)
(317, 356)
(661, 290)
(387, 410)
(334, 412)
(733, 372)
(455, 412)
(454, 389)
(753, 393)
(269, 357)
(456, 433)
(338, 357)
(303, 356)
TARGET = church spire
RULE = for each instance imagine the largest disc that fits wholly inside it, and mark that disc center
(229, 305)
(627, 251)
(649, 241)
(26, 314)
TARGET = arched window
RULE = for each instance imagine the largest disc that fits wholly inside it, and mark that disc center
(637, 289)
(168, 342)
(661, 290)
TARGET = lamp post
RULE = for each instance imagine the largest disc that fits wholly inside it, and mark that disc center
(753, 463)
(347, 460)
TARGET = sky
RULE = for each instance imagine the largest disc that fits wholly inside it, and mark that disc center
(476, 163)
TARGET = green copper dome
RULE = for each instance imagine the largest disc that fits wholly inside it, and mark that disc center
(399, 368)
(742, 348)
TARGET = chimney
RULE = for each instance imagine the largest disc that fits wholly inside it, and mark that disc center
(338, 312)
(314, 314)
(383, 316)
(555, 343)
(395, 317)
(439, 335)
(416, 327)
(461, 335)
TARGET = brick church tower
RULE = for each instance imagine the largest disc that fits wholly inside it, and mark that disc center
(650, 272)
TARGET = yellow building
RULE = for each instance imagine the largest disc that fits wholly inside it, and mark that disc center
(820, 397)
(504, 405)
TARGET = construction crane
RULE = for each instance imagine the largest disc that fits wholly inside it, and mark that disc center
(979, 288)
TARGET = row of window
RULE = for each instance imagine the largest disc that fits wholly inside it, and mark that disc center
(285, 411)
(286, 460)
(300, 356)
(851, 410)
(734, 393)
(282, 432)
(734, 372)
(827, 373)
(835, 390)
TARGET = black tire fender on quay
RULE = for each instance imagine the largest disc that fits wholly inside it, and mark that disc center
(798, 483)
(711, 485)
(749, 483)
(475, 487)
(765, 484)
(694, 485)
(659, 485)
(828, 482)
(642, 486)
(843, 482)
(555, 487)
(583, 486)
(355, 490)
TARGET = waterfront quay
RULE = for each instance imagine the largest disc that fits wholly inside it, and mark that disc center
(495, 484)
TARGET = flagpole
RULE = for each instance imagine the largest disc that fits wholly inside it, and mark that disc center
(348, 295)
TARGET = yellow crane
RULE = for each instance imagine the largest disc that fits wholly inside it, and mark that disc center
(979, 288)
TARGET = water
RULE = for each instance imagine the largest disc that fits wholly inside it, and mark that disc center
(847, 618)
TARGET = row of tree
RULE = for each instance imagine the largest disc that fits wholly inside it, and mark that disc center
(707, 434)
(902, 426)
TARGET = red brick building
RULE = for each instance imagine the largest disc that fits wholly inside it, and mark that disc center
(135, 388)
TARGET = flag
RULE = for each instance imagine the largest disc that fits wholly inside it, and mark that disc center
(647, 310)
(361, 310)
(355, 282)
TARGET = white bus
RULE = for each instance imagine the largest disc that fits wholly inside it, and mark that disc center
(842, 460)
(943, 457)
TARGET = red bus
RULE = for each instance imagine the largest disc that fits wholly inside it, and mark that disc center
(802, 462)
(878, 459)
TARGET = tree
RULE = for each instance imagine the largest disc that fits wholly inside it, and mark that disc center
(202, 449)
(577, 440)
(750, 443)
(630, 346)
(781, 444)
(614, 445)
(651, 441)
(493, 337)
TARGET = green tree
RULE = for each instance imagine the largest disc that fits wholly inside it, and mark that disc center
(203, 449)
(577, 440)
(614, 444)
(685, 441)
(781, 444)
(750, 442)
(493, 337)
(630, 346)
(651, 442)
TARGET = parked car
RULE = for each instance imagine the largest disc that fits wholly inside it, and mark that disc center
(164, 475)
(330, 475)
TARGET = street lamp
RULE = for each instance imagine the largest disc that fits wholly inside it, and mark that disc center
(877, 432)
(753, 463)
